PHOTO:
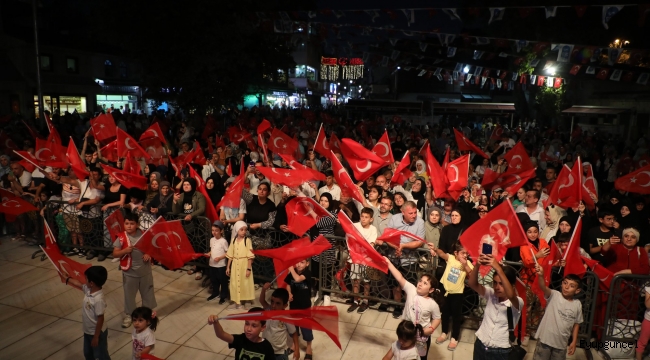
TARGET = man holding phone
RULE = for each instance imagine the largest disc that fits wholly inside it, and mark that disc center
(253, 176)
(599, 235)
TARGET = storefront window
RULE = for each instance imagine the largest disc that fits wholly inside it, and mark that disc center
(50, 104)
(117, 102)
(72, 103)
(303, 71)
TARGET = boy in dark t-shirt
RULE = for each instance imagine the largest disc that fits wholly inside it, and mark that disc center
(299, 287)
(248, 345)
(600, 234)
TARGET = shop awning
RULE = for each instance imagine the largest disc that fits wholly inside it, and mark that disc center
(473, 107)
(599, 110)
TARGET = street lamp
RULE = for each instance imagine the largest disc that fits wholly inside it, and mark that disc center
(466, 69)
(551, 70)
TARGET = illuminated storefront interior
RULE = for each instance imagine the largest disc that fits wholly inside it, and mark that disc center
(61, 104)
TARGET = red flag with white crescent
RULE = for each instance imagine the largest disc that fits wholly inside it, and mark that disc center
(65, 265)
(103, 127)
(290, 178)
(567, 188)
(499, 228)
(335, 144)
(464, 144)
(361, 252)
(167, 242)
(589, 187)
(458, 176)
(437, 175)
(394, 236)
(362, 161)
(303, 213)
(314, 174)
(383, 150)
(637, 181)
(127, 179)
(126, 142)
(29, 162)
(153, 132)
(518, 159)
(50, 154)
(348, 188)
(263, 126)
(130, 165)
(115, 224)
(233, 194)
(282, 143)
(76, 164)
(402, 173)
(321, 145)
(110, 151)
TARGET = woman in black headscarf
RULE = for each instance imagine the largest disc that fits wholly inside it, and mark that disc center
(418, 190)
(161, 204)
(449, 236)
(214, 188)
(190, 202)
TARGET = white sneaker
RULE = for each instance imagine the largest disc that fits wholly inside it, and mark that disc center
(115, 260)
(126, 322)
(326, 300)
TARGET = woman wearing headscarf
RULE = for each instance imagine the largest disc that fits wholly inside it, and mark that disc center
(449, 235)
(325, 226)
(421, 170)
(628, 216)
(536, 252)
(153, 190)
(214, 189)
(189, 202)
(240, 266)
(161, 204)
(552, 215)
(433, 226)
(418, 191)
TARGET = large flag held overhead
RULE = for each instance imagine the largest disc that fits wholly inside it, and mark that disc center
(636, 181)
(104, 128)
(499, 228)
(315, 175)
(290, 178)
(233, 195)
(303, 213)
(130, 165)
(77, 165)
(50, 154)
(127, 179)
(321, 145)
(518, 159)
(457, 176)
(263, 126)
(383, 150)
(402, 173)
(282, 143)
(294, 252)
(321, 318)
(572, 256)
(361, 252)
(126, 143)
(567, 189)
(110, 151)
(344, 180)
(153, 132)
(465, 144)
(363, 162)
(437, 175)
(167, 242)
(14, 205)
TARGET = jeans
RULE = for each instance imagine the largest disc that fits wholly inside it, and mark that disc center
(219, 281)
(96, 353)
(485, 353)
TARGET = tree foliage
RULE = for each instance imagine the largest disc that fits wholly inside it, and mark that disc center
(202, 54)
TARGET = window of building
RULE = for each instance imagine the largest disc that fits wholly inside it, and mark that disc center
(122, 69)
(46, 63)
(72, 103)
(108, 68)
(71, 64)
(304, 71)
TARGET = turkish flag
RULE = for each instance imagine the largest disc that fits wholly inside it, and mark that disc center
(521, 292)
(567, 188)
(497, 132)
(14, 205)
(425, 148)
(361, 252)
(458, 176)
(233, 194)
(321, 318)
(29, 162)
(282, 143)
(54, 137)
(500, 228)
(604, 275)
(445, 161)
(553, 256)
(508, 181)
(557, 82)
(50, 154)
(197, 157)
(335, 144)
(466, 145)
(126, 142)
(65, 265)
(294, 252)
(321, 145)
(348, 188)
(48, 122)
(315, 175)
(167, 242)
(77, 165)
(125, 178)
(155, 149)
(303, 213)
(589, 187)
(363, 162)
(110, 151)
(153, 132)
(199, 180)
(235, 134)
(104, 128)
(263, 126)
(437, 175)
(130, 165)
(572, 255)
(383, 150)
(393, 236)
(250, 143)
(518, 159)
(115, 224)
(575, 69)
(603, 74)
(261, 143)
(402, 173)
(219, 142)
(290, 178)
(635, 182)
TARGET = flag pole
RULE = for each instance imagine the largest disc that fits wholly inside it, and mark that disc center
(56, 268)
(29, 161)
(281, 272)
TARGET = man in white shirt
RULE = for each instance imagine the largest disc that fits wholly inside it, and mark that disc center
(330, 187)
(254, 177)
(506, 142)
(492, 337)
(532, 208)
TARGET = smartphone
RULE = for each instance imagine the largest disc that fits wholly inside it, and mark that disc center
(487, 249)
(251, 164)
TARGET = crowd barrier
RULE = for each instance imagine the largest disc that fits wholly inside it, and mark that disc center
(621, 315)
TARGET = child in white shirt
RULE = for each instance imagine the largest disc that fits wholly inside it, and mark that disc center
(217, 271)
(358, 272)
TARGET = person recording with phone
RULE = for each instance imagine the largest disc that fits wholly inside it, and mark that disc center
(253, 176)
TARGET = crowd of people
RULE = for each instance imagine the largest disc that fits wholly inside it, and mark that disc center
(615, 230)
